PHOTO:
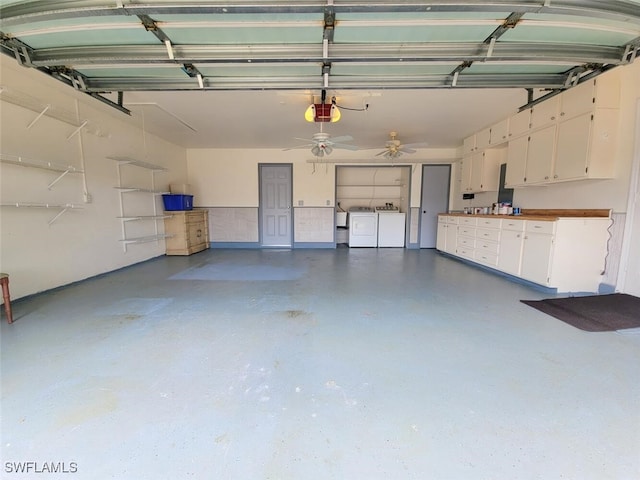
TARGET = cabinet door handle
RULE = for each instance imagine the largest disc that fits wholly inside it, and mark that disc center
(199, 233)
(518, 236)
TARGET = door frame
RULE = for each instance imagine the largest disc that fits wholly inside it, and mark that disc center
(628, 250)
(260, 206)
(424, 166)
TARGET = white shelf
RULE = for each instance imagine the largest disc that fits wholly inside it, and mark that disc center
(143, 217)
(34, 104)
(142, 190)
(126, 240)
(50, 166)
(137, 163)
(145, 239)
(63, 207)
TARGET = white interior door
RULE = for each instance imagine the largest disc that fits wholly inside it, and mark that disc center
(275, 206)
(435, 199)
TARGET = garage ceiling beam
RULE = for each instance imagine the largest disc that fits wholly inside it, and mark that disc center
(352, 82)
(35, 11)
(425, 52)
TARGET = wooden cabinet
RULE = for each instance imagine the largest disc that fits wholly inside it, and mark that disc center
(188, 232)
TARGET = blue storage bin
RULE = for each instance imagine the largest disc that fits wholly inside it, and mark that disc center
(174, 202)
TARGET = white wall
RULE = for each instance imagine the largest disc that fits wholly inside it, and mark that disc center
(229, 177)
(84, 242)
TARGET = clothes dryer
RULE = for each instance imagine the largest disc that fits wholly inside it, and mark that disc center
(363, 227)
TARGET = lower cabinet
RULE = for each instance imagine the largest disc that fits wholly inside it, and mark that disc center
(188, 230)
(447, 233)
(566, 253)
(511, 243)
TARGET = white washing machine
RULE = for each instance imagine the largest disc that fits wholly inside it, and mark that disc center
(391, 227)
(363, 227)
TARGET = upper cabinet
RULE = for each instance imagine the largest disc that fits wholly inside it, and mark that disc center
(600, 92)
(571, 136)
(481, 170)
(499, 133)
(519, 124)
(483, 138)
(545, 113)
(469, 145)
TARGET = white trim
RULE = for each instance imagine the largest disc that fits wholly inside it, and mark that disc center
(634, 184)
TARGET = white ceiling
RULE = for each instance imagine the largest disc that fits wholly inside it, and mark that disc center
(270, 119)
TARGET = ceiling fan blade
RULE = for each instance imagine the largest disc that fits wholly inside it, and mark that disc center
(304, 139)
(415, 145)
(343, 138)
(384, 152)
(309, 145)
(404, 149)
(345, 146)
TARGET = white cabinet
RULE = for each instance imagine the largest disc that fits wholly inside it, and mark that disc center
(530, 158)
(545, 113)
(469, 145)
(519, 124)
(537, 251)
(586, 146)
(567, 253)
(483, 139)
(447, 233)
(487, 241)
(481, 171)
(465, 173)
(573, 136)
(511, 242)
(499, 133)
(517, 162)
(600, 92)
(540, 156)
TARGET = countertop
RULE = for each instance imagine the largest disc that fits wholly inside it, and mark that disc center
(546, 215)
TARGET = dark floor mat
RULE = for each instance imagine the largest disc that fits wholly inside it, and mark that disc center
(597, 313)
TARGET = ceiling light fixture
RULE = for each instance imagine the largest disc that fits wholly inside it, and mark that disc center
(200, 80)
(323, 112)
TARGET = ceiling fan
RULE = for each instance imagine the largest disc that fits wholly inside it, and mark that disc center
(322, 143)
(394, 149)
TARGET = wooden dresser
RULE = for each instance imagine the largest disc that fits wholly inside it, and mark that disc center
(189, 232)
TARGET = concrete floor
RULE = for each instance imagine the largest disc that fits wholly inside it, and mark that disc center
(313, 364)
